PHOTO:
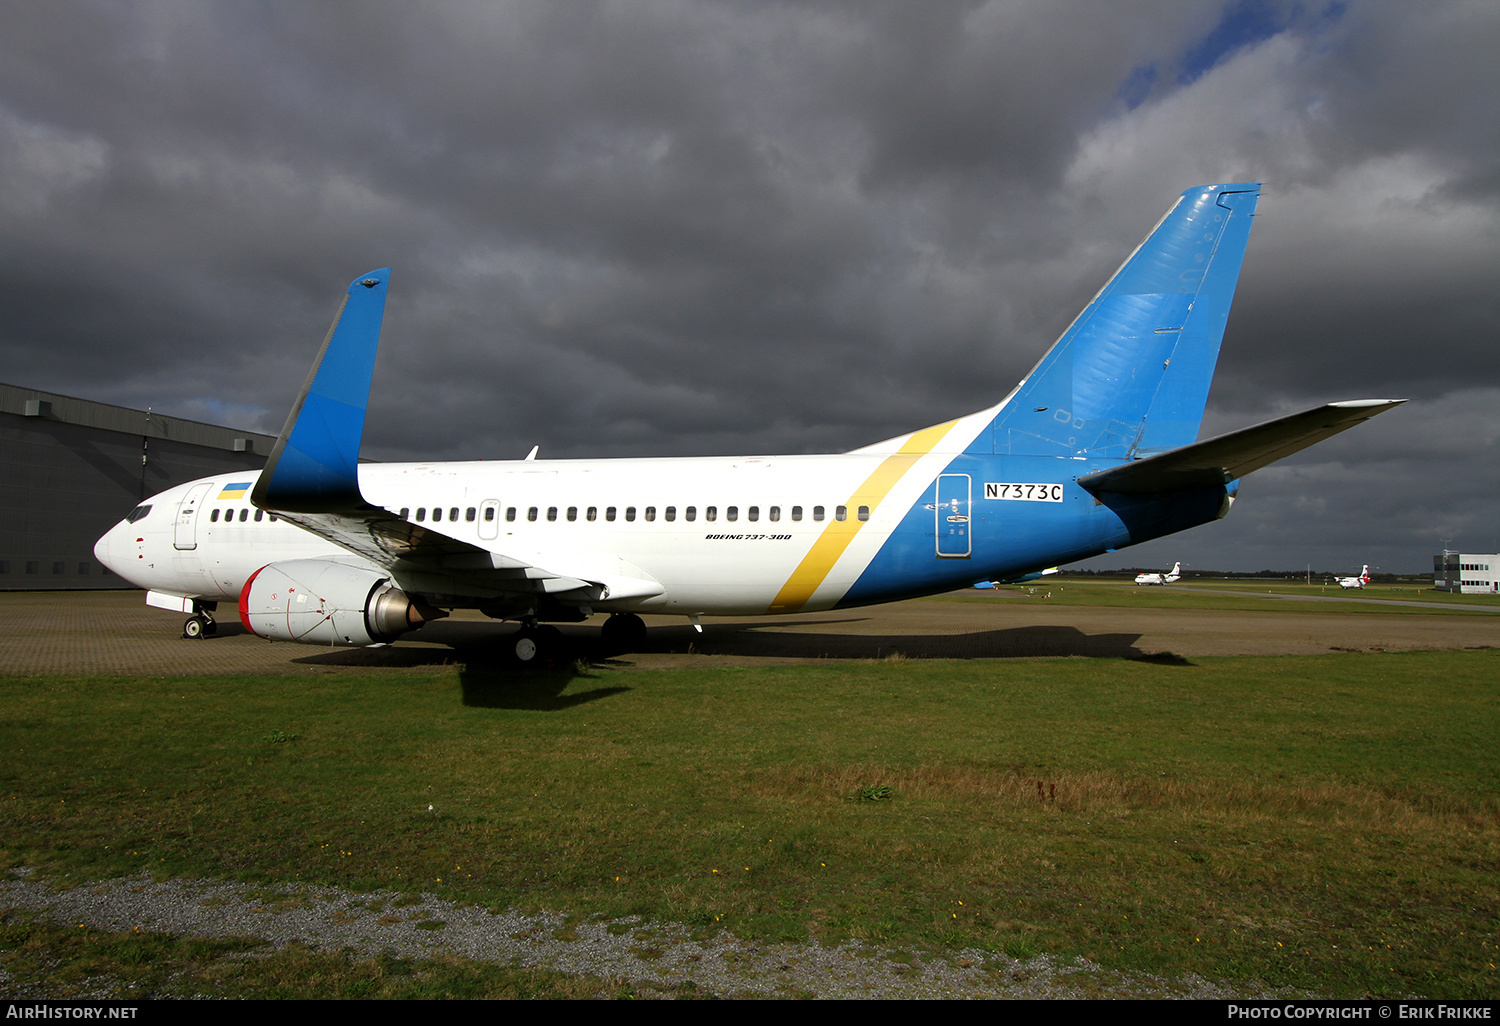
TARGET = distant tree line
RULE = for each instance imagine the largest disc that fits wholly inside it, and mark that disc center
(1318, 576)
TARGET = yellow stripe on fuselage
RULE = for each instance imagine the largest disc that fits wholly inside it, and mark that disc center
(825, 552)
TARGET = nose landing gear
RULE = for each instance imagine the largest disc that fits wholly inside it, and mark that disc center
(200, 625)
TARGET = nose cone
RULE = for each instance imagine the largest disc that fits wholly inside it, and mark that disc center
(105, 548)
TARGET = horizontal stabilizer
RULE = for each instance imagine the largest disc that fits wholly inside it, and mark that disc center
(1218, 461)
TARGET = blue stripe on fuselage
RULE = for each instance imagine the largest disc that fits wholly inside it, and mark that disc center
(1010, 537)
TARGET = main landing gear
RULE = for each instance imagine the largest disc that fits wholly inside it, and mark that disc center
(540, 644)
(535, 644)
(621, 633)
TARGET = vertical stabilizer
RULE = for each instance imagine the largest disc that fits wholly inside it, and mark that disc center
(1130, 376)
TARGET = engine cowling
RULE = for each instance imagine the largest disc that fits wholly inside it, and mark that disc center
(324, 602)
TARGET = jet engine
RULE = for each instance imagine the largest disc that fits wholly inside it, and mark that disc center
(323, 602)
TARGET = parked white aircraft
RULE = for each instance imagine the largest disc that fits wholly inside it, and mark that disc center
(1172, 576)
(1356, 582)
(1093, 451)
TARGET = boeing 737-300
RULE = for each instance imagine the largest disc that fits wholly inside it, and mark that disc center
(1094, 450)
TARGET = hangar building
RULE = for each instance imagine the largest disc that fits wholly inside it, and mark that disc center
(71, 468)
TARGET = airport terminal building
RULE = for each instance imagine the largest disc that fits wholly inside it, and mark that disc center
(71, 468)
(1467, 573)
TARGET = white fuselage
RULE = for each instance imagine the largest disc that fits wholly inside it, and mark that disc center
(720, 535)
(1356, 582)
(1170, 577)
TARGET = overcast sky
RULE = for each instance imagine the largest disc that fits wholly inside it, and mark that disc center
(672, 228)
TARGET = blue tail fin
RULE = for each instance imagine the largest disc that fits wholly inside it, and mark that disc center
(313, 467)
(1130, 376)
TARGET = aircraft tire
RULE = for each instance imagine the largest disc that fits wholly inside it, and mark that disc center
(194, 628)
(525, 647)
(623, 632)
(535, 646)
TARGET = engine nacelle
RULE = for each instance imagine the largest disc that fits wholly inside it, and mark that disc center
(323, 602)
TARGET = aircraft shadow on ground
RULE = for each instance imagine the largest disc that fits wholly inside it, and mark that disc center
(481, 649)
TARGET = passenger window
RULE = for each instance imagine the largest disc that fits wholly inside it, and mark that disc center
(437, 514)
(489, 514)
(531, 513)
(732, 513)
(273, 517)
(775, 513)
(551, 512)
(421, 513)
(510, 514)
(572, 512)
(405, 512)
(650, 513)
(864, 513)
(841, 513)
(453, 514)
(711, 513)
(629, 512)
(817, 512)
(593, 513)
(753, 514)
(258, 514)
(213, 518)
(796, 512)
(244, 514)
(691, 514)
(671, 513)
(609, 513)
(469, 514)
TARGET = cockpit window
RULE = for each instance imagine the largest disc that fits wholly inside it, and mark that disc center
(139, 513)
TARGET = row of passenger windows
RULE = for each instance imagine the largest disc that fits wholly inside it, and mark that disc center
(260, 514)
(668, 513)
(611, 513)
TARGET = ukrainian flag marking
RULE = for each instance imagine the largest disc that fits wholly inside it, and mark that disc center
(235, 490)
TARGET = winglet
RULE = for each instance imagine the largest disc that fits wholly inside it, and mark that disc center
(314, 466)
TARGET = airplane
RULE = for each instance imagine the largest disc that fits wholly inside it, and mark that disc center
(1172, 576)
(1096, 449)
(1356, 582)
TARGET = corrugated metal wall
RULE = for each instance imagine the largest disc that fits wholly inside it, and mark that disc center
(70, 468)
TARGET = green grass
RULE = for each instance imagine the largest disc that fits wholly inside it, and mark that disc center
(1327, 823)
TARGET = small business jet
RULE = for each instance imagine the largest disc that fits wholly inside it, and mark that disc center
(1170, 577)
(1356, 582)
(1094, 450)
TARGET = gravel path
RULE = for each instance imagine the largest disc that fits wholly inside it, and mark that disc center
(652, 956)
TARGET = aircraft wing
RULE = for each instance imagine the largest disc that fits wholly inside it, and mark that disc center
(432, 562)
(312, 480)
(1218, 461)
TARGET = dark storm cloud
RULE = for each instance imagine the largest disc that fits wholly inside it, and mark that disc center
(695, 227)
